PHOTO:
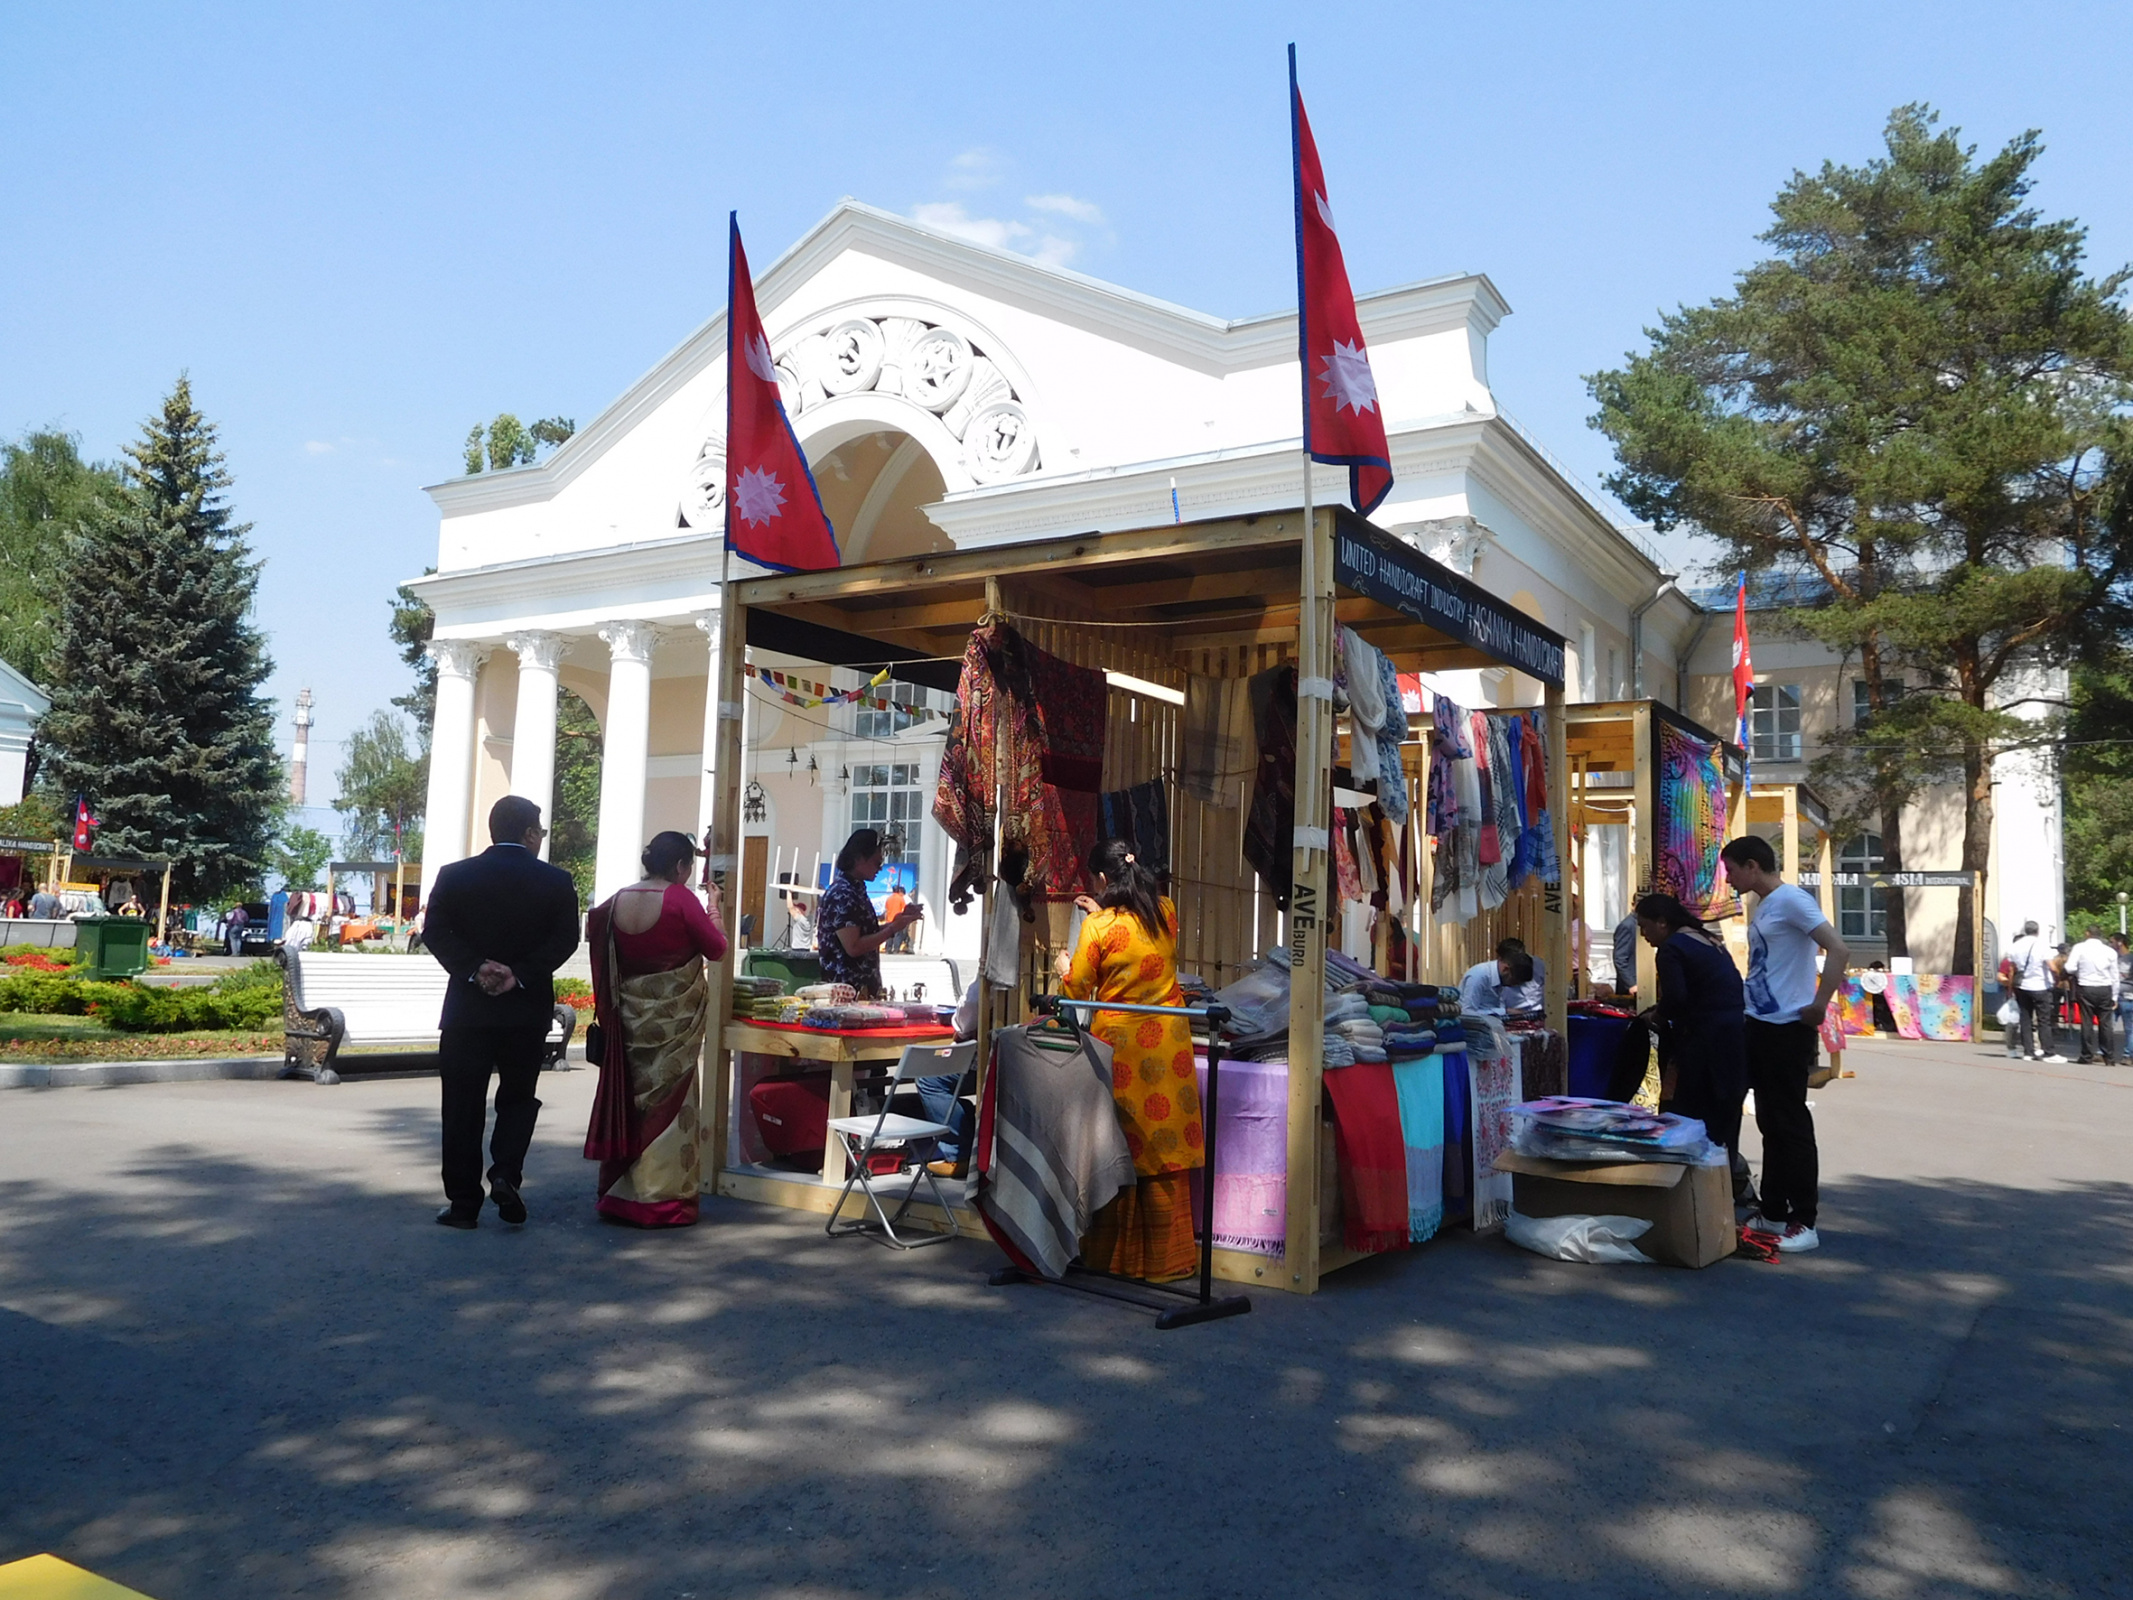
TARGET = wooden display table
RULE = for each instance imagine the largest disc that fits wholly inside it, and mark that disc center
(842, 1052)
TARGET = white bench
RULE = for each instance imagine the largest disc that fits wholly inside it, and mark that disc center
(330, 999)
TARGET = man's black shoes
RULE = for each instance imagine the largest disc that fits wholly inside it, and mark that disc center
(509, 1205)
(453, 1217)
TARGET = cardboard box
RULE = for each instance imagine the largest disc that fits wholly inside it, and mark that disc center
(1690, 1208)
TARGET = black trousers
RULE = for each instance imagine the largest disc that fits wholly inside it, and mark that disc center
(466, 1059)
(2038, 1007)
(1780, 1057)
(2097, 1007)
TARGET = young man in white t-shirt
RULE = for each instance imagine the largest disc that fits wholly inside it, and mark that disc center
(2029, 962)
(2093, 967)
(1786, 1000)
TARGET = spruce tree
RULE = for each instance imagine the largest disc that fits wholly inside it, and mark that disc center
(157, 716)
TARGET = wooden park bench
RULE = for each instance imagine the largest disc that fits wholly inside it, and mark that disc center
(330, 999)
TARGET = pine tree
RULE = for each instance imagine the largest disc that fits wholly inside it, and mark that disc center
(157, 715)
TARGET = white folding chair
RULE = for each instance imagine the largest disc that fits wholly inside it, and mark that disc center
(863, 1136)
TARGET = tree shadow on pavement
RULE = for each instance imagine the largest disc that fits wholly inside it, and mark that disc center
(223, 1379)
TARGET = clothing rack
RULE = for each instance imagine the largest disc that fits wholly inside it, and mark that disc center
(1200, 1307)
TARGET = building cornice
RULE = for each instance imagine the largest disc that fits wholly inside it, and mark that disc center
(1192, 338)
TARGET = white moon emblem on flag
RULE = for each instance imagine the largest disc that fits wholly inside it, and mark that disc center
(1325, 213)
(758, 495)
(1347, 378)
(757, 353)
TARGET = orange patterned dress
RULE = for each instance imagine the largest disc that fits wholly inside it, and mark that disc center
(1147, 1231)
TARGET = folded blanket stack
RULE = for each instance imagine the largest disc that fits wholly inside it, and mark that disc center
(854, 1016)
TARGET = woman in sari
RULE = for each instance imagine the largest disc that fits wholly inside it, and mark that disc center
(652, 1001)
(1128, 953)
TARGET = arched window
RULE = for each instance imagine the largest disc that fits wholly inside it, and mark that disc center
(1862, 913)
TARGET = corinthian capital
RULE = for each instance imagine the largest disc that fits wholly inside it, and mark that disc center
(458, 658)
(630, 641)
(537, 651)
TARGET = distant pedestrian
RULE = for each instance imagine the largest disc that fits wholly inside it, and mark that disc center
(2030, 966)
(234, 926)
(1625, 944)
(46, 907)
(2092, 969)
(500, 923)
(1785, 1003)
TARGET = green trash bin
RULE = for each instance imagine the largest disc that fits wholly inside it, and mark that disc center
(113, 947)
(793, 968)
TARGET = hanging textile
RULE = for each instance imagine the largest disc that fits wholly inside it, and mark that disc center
(1500, 812)
(1347, 883)
(1072, 705)
(1420, 1086)
(1540, 827)
(1372, 1155)
(1516, 733)
(962, 798)
(1691, 807)
(1453, 896)
(1392, 733)
(1218, 748)
(1366, 704)
(1140, 816)
(1270, 827)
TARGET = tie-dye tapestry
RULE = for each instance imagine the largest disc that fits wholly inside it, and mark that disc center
(1691, 819)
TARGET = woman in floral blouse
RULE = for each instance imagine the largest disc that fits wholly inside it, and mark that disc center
(848, 933)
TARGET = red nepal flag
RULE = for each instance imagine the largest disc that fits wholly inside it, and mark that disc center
(774, 516)
(1343, 423)
(83, 822)
(1743, 667)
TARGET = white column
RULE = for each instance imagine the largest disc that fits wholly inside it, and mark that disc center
(447, 825)
(624, 748)
(533, 726)
(707, 793)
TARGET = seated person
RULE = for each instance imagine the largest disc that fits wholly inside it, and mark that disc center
(1493, 987)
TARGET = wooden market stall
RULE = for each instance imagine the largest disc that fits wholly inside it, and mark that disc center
(1152, 608)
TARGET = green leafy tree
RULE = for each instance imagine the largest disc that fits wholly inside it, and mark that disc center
(1917, 401)
(300, 857)
(157, 714)
(412, 624)
(576, 825)
(383, 785)
(508, 442)
(47, 496)
(2097, 773)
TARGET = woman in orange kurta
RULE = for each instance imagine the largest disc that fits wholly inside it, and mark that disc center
(1128, 953)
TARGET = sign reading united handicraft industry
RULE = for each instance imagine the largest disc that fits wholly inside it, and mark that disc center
(1375, 564)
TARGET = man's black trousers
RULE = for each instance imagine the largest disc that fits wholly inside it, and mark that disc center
(1780, 1057)
(466, 1059)
(2097, 1005)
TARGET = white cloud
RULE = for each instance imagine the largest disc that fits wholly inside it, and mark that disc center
(317, 447)
(950, 217)
(976, 168)
(1067, 205)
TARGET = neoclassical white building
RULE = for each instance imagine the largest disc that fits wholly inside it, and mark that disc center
(953, 397)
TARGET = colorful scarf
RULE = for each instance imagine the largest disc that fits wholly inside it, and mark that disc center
(1392, 733)
(1691, 819)
(1420, 1085)
(1373, 1158)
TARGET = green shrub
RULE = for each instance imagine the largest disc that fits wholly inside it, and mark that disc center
(249, 998)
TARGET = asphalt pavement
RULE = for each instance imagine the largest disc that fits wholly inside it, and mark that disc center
(237, 1359)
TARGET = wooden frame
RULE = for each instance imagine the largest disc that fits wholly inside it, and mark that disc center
(1156, 604)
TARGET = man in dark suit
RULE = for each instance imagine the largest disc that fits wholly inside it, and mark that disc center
(500, 923)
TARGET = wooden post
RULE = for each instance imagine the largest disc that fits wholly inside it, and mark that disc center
(1307, 894)
(163, 905)
(1826, 897)
(992, 1015)
(730, 696)
(1644, 840)
(1789, 862)
(1556, 895)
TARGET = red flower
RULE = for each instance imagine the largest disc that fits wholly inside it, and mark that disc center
(1181, 1064)
(1151, 968)
(1156, 1108)
(1193, 1135)
(1121, 1076)
(1134, 1142)
(1149, 1034)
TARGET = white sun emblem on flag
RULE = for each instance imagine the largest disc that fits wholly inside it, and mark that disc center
(1347, 378)
(757, 354)
(1325, 213)
(758, 495)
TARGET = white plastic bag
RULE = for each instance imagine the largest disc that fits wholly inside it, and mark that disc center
(2010, 1014)
(1599, 1240)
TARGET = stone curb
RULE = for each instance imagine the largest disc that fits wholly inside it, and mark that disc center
(203, 1069)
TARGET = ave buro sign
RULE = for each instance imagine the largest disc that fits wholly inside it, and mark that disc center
(1374, 564)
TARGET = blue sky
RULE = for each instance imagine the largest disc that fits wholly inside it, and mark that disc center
(362, 229)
